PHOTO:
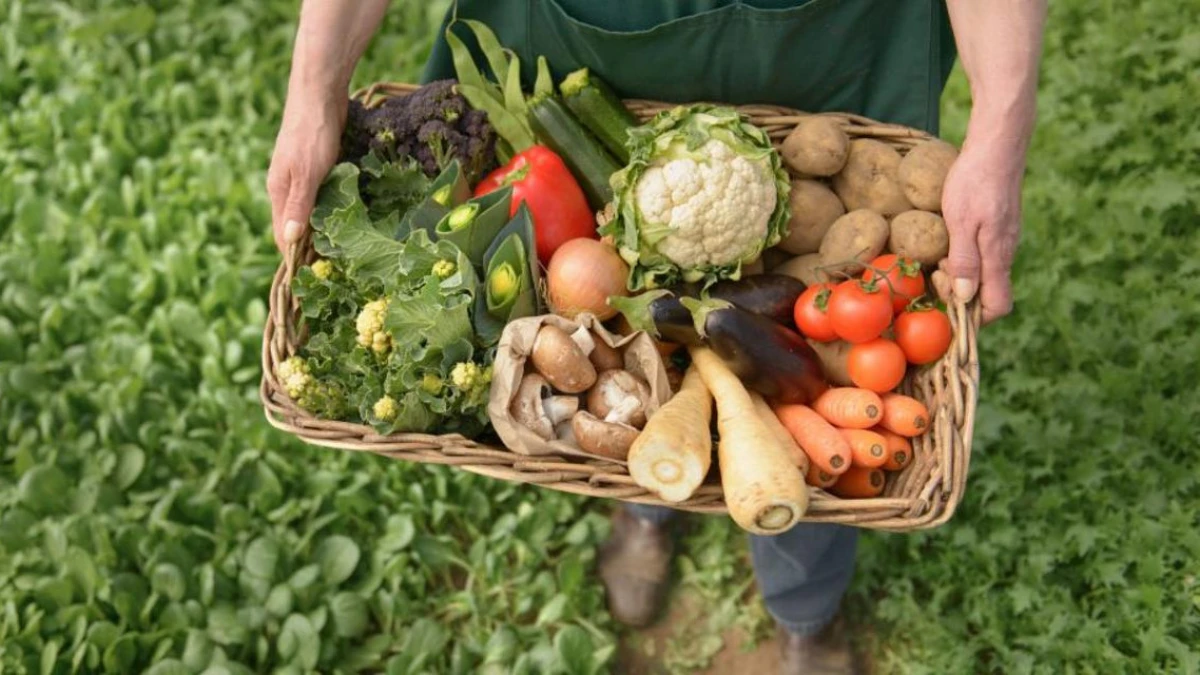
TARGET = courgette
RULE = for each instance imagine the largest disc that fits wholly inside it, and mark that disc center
(584, 154)
(598, 108)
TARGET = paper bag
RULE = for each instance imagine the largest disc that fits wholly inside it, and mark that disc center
(516, 344)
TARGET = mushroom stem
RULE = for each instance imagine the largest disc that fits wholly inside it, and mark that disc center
(559, 408)
(624, 411)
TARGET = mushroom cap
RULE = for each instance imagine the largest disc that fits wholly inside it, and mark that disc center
(622, 392)
(606, 439)
(527, 407)
(604, 357)
(561, 361)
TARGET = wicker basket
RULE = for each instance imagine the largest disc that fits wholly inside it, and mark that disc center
(923, 495)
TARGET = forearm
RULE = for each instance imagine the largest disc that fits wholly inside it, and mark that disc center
(332, 36)
(999, 44)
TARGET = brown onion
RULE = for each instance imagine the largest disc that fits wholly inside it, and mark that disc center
(581, 276)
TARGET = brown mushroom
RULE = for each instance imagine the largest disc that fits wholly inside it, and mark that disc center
(561, 360)
(619, 396)
(536, 408)
(604, 357)
(605, 439)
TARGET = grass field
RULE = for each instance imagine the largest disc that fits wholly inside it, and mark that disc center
(151, 521)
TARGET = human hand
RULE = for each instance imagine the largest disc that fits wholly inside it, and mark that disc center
(306, 148)
(981, 203)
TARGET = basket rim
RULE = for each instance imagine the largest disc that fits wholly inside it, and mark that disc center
(932, 505)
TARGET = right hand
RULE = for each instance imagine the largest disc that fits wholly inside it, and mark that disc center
(306, 148)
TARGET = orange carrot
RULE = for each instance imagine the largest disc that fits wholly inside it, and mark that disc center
(904, 415)
(867, 448)
(818, 478)
(899, 450)
(819, 439)
(858, 482)
(850, 407)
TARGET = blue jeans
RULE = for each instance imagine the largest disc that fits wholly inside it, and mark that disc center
(802, 573)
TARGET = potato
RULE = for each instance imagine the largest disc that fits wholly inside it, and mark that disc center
(814, 207)
(804, 268)
(859, 235)
(923, 171)
(833, 357)
(920, 235)
(868, 181)
(774, 257)
(816, 147)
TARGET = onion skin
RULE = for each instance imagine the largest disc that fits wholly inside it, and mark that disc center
(581, 276)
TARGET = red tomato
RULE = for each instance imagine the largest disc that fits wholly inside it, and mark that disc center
(902, 279)
(878, 365)
(812, 317)
(923, 334)
(859, 311)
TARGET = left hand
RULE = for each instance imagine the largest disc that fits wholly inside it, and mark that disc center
(981, 203)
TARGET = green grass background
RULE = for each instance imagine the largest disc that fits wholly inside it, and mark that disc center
(151, 520)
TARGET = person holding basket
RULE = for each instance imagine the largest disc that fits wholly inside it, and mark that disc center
(883, 59)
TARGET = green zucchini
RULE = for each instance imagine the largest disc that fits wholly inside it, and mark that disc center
(597, 106)
(584, 154)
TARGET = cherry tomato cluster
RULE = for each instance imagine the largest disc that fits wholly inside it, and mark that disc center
(885, 317)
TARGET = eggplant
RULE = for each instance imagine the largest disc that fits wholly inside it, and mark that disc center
(662, 314)
(767, 357)
(771, 295)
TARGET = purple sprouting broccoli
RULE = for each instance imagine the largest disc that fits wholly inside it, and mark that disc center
(433, 125)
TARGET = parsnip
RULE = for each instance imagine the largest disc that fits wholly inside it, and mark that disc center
(764, 490)
(673, 453)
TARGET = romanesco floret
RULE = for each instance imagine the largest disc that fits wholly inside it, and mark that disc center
(322, 269)
(444, 268)
(370, 326)
(294, 375)
(385, 408)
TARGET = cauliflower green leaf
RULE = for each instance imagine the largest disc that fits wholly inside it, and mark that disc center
(343, 231)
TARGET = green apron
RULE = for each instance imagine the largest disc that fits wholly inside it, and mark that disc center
(886, 59)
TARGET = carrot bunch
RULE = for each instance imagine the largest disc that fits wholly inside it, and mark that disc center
(851, 437)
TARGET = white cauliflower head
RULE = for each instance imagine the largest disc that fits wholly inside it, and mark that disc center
(704, 192)
(715, 204)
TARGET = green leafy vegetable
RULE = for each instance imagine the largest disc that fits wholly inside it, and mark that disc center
(392, 187)
(386, 318)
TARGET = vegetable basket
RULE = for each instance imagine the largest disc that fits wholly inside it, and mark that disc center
(924, 494)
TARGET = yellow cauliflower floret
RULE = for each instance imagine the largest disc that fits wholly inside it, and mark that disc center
(444, 268)
(464, 374)
(370, 326)
(431, 383)
(385, 408)
(294, 376)
(322, 269)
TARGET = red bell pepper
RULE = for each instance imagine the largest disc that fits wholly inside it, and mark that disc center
(541, 179)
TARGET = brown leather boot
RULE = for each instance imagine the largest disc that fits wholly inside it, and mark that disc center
(826, 653)
(635, 565)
